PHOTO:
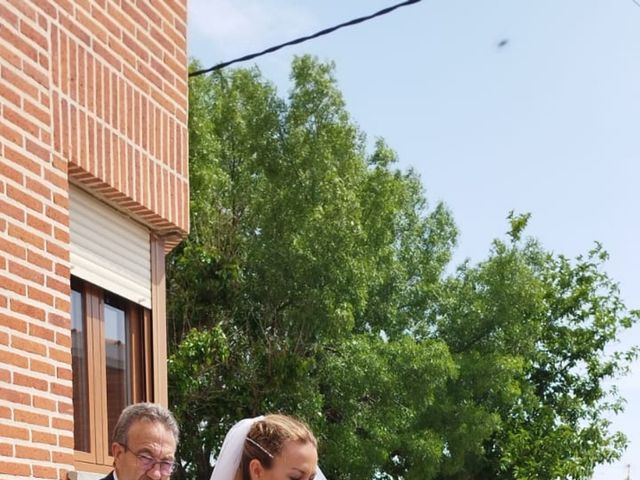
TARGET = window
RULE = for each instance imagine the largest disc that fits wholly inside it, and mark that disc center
(111, 341)
(119, 351)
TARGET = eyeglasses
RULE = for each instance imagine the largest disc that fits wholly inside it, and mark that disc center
(147, 463)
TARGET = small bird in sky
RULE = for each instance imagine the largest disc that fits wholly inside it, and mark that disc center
(503, 42)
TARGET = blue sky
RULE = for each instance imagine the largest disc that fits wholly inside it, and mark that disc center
(548, 124)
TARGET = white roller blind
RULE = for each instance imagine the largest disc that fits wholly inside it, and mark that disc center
(109, 249)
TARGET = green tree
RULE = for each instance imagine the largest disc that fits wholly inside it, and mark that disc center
(313, 283)
(532, 335)
(301, 243)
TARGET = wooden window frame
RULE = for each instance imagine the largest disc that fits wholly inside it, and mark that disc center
(148, 339)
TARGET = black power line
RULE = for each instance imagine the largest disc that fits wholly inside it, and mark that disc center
(326, 31)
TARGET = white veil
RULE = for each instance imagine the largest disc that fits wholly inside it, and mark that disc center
(230, 454)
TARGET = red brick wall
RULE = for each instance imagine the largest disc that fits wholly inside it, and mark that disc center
(92, 92)
(119, 88)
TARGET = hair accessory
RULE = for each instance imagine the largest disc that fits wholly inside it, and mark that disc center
(267, 452)
(229, 456)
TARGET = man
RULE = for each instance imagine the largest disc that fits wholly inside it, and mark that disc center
(144, 443)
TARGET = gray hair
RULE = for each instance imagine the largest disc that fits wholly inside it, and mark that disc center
(144, 411)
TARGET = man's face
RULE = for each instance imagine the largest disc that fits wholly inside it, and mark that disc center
(147, 442)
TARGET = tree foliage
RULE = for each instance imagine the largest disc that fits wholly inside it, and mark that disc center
(532, 335)
(313, 282)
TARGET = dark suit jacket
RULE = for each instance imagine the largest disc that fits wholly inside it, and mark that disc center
(108, 477)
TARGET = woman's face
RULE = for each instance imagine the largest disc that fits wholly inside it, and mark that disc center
(296, 461)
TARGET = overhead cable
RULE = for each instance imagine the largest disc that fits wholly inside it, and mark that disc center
(326, 31)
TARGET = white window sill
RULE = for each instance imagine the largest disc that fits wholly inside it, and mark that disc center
(85, 476)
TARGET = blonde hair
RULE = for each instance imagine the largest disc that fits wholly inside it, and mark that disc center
(267, 437)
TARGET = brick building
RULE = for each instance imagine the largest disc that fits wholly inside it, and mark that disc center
(93, 194)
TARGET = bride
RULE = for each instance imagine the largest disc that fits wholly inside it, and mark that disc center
(271, 447)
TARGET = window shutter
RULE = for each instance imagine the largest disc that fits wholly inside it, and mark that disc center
(109, 249)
